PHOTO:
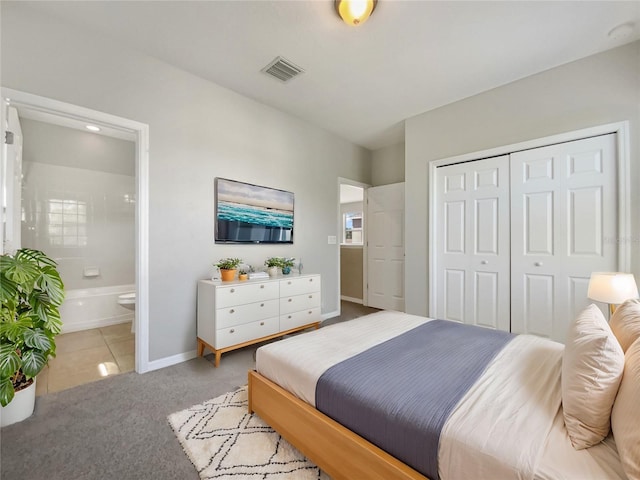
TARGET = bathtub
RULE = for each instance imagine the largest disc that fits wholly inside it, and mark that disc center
(87, 308)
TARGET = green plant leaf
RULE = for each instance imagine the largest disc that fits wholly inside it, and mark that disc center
(51, 283)
(15, 331)
(8, 289)
(10, 361)
(7, 391)
(32, 362)
(19, 270)
(37, 339)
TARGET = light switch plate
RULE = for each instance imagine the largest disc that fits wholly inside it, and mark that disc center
(332, 239)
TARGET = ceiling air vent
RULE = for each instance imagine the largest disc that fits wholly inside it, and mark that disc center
(282, 69)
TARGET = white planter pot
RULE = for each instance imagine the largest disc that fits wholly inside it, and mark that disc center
(272, 271)
(21, 407)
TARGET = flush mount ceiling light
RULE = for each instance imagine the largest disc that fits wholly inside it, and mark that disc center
(93, 128)
(355, 12)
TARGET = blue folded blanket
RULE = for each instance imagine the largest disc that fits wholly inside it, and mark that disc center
(399, 394)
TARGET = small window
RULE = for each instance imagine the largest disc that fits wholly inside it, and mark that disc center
(67, 223)
(352, 228)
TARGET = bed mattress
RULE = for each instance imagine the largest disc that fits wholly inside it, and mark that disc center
(508, 424)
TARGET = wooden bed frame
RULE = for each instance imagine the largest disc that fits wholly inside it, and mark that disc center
(335, 449)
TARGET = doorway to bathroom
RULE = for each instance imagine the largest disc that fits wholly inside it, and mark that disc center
(73, 190)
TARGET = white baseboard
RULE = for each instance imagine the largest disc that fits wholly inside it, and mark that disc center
(351, 299)
(327, 316)
(103, 322)
(172, 360)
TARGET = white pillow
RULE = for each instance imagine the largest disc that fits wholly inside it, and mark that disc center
(625, 323)
(625, 417)
(592, 366)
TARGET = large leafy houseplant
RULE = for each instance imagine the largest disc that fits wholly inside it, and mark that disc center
(31, 292)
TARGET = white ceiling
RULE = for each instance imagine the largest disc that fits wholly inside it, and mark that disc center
(361, 83)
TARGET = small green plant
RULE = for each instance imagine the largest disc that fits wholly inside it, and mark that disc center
(31, 292)
(242, 272)
(273, 262)
(228, 263)
(287, 262)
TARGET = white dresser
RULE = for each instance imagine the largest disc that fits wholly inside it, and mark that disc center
(236, 314)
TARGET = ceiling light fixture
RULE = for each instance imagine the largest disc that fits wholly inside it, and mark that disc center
(355, 12)
(93, 128)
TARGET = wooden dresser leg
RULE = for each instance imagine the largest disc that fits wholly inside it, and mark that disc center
(200, 347)
(218, 355)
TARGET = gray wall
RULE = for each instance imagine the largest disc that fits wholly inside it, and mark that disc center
(93, 174)
(596, 90)
(198, 131)
(351, 268)
(387, 165)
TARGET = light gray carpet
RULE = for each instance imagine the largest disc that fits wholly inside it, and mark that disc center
(117, 428)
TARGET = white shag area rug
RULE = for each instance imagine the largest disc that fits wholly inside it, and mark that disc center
(223, 441)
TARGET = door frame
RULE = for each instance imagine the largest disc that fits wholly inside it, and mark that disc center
(623, 182)
(141, 132)
(364, 186)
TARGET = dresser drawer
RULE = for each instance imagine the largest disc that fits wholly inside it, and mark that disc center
(239, 314)
(299, 302)
(248, 293)
(293, 320)
(226, 337)
(298, 286)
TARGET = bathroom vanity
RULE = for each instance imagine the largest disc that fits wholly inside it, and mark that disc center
(235, 314)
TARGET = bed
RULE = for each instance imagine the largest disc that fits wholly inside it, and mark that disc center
(515, 388)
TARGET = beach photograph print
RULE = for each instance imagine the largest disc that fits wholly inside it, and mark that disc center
(251, 213)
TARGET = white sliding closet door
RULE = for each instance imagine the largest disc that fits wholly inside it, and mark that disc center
(564, 206)
(473, 242)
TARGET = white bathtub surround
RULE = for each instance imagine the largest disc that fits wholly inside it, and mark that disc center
(128, 300)
(95, 307)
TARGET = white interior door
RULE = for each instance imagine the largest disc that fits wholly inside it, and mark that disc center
(385, 247)
(564, 205)
(472, 263)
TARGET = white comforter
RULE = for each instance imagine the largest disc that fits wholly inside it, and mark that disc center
(506, 425)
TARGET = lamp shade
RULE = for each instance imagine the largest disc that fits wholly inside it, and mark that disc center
(355, 12)
(612, 287)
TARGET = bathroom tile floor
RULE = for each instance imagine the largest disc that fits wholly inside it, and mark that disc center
(87, 356)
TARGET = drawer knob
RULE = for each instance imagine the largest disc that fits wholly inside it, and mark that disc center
(232, 290)
(288, 283)
(231, 331)
(261, 286)
(289, 316)
(310, 296)
(261, 323)
(310, 312)
(311, 279)
(290, 300)
(262, 304)
(231, 311)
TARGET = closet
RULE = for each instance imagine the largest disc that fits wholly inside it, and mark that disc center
(518, 235)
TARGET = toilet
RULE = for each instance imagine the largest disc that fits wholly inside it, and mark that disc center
(128, 300)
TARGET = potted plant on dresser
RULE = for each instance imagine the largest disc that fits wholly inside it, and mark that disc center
(31, 292)
(272, 264)
(228, 268)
